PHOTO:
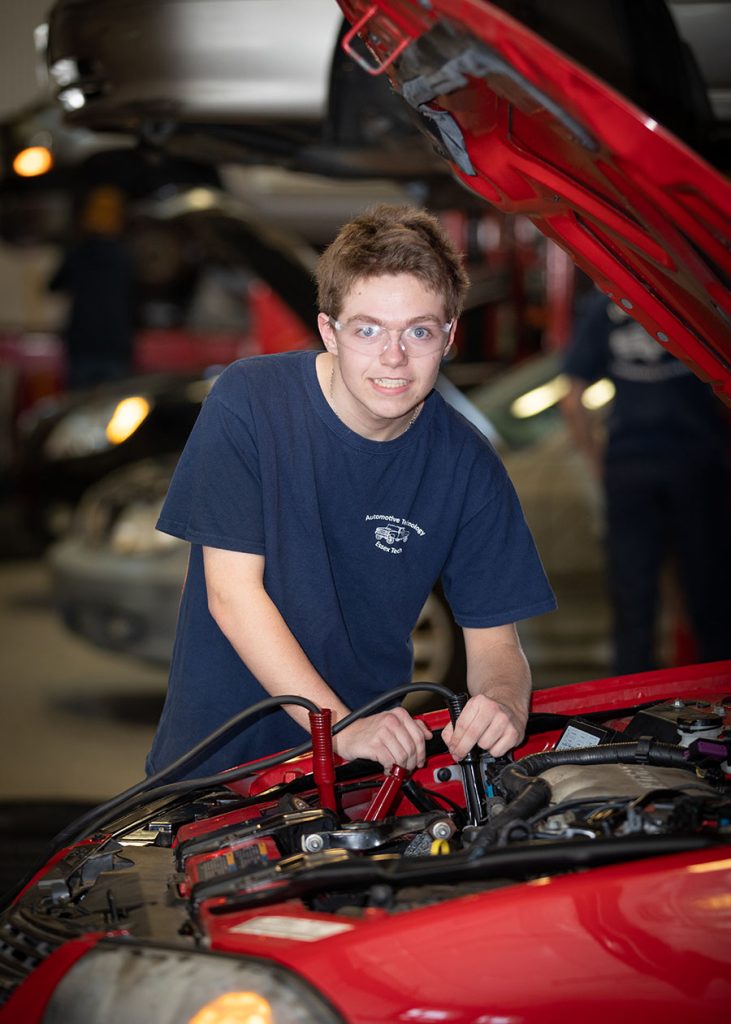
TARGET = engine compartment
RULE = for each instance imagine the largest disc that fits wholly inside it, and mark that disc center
(210, 867)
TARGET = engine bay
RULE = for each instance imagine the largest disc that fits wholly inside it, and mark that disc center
(602, 788)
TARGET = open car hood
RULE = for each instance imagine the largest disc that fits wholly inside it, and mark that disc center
(535, 133)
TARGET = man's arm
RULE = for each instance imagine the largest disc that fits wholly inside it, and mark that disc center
(499, 681)
(254, 626)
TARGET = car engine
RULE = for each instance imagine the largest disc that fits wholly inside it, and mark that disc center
(190, 862)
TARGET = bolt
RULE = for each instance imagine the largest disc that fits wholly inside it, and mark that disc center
(626, 303)
(495, 806)
(678, 703)
(662, 336)
(444, 774)
(380, 895)
(313, 843)
(441, 830)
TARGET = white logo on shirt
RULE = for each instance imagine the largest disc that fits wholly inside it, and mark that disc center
(393, 532)
(636, 356)
(633, 342)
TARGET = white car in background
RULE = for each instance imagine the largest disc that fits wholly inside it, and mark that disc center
(232, 81)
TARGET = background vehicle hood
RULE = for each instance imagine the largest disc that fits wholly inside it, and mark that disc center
(533, 132)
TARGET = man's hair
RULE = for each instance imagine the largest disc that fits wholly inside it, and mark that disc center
(391, 240)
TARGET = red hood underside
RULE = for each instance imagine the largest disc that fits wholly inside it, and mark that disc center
(534, 133)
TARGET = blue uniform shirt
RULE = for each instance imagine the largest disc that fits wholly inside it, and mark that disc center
(355, 534)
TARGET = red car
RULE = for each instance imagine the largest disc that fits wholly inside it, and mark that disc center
(589, 872)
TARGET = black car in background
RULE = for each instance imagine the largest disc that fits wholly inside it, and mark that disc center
(67, 442)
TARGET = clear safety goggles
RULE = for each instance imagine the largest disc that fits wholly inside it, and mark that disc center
(419, 339)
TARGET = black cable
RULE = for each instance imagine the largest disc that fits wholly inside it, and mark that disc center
(387, 698)
(445, 799)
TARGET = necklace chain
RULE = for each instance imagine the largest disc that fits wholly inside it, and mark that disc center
(411, 422)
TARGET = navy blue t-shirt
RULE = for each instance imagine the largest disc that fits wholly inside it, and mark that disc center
(660, 407)
(355, 533)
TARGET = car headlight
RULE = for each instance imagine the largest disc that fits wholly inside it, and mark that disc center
(133, 531)
(116, 984)
(96, 426)
(120, 511)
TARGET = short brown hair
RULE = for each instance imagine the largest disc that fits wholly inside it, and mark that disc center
(391, 240)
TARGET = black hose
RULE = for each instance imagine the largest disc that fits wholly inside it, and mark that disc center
(642, 751)
(531, 794)
(391, 697)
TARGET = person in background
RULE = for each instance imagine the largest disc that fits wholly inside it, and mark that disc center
(323, 493)
(98, 275)
(663, 461)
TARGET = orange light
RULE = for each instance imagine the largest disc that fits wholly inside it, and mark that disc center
(126, 418)
(33, 161)
(235, 1008)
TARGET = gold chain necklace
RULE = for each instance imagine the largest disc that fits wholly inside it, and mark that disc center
(410, 424)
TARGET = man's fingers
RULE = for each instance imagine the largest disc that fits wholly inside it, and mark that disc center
(468, 731)
(412, 734)
(392, 752)
(391, 737)
(472, 724)
(483, 723)
(400, 738)
(509, 740)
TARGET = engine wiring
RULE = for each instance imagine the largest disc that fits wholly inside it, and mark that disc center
(508, 804)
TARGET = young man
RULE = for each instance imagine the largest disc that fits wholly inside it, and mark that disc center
(323, 495)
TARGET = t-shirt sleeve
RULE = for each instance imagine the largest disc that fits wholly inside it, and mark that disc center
(493, 574)
(214, 497)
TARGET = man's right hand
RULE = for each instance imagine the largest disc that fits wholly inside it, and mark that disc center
(390, 737)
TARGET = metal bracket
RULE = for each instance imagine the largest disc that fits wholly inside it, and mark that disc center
(375, 68)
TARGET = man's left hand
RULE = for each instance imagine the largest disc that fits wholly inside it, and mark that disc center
(485, 723)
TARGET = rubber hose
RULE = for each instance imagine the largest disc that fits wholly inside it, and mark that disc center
(532, 794)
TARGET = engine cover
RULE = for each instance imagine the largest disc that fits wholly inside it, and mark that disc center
(592, 781)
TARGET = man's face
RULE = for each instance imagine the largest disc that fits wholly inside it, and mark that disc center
(375, 391)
